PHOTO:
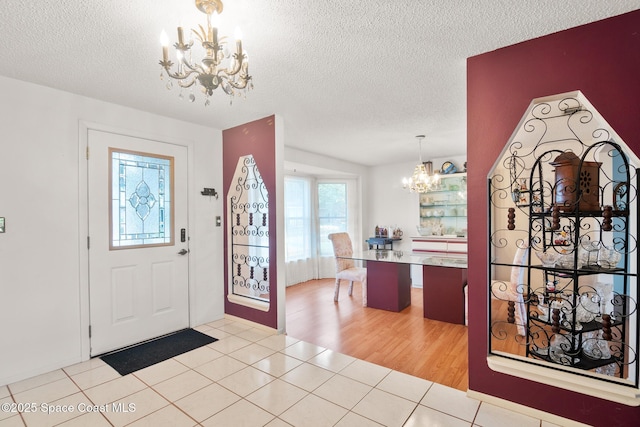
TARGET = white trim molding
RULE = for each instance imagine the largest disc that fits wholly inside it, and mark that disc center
(619, 393)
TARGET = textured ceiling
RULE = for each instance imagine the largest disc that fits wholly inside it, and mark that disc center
(353, 79)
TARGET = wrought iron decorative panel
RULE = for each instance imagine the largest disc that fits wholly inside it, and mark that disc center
(248, 226)
(563, 245)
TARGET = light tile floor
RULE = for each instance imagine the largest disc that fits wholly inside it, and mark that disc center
(247, 378)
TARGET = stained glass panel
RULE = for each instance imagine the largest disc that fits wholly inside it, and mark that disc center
(141, 199)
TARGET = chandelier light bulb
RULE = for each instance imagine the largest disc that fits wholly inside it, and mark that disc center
(164, 39)
(215, 20)
(238, 34)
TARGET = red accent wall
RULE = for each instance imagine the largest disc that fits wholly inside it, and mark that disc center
(257, 138)
(602, 60)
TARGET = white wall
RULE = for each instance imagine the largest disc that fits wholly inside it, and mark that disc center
(391, 205)
(41, 253)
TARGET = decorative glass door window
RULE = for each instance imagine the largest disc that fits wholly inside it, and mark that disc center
(140, 199)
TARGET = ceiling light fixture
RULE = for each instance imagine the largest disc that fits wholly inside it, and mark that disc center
(423, 178)
(218, 67)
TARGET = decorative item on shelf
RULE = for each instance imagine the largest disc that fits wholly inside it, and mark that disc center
(608, 258)
(536, 203)
(595, 347)
(448, 167)
(437, 229)
(520, 193)
(555, 317)
(382, 232)
(423, 179)
(515, 195)
(561, 238)
(590, 253)
(425, 231)
(606, 327)
(555, 218)
(516, 187)
(587, 308)
(577, 183)
(524, 193)
(568, 259)
(230, 71)
(511, 222)
(607, 223)
(548, 258)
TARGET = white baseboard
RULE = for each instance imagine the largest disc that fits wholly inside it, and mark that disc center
(525, 410)
(251, 323)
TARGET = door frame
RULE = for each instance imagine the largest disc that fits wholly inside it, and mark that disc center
(83, 219)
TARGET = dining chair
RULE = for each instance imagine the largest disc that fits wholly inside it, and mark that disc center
(345, 267)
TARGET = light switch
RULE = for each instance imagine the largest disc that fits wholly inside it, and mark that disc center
(1, 224)
(218, 221)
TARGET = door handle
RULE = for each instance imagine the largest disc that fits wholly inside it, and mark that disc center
(183, 252)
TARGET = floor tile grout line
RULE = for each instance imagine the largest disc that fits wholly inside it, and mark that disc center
(302, 358)
(333, 374)
(14, 401)
(475, 416)
(169, 402)
(85, 395)
(276, 416)
(37, 386)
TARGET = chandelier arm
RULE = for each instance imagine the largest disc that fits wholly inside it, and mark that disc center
(182, 83)
(180, 76)
(242, 84)
(233, 71)
(193, 68)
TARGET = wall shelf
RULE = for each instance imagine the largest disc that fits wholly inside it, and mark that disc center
(444, 210)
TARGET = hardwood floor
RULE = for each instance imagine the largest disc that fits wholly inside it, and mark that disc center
(405, 341)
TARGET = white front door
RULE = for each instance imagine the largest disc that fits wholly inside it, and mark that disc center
(138, 253)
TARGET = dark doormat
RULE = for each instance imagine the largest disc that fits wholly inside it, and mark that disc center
(150, 352)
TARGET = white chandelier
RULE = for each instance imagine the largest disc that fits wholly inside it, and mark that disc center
(218, 67)
(423, 178)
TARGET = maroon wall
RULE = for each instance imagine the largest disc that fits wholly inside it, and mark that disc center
(602, 60)
(258, 139)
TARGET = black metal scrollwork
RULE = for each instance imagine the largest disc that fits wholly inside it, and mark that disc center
(572, 300)
(249, 209)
